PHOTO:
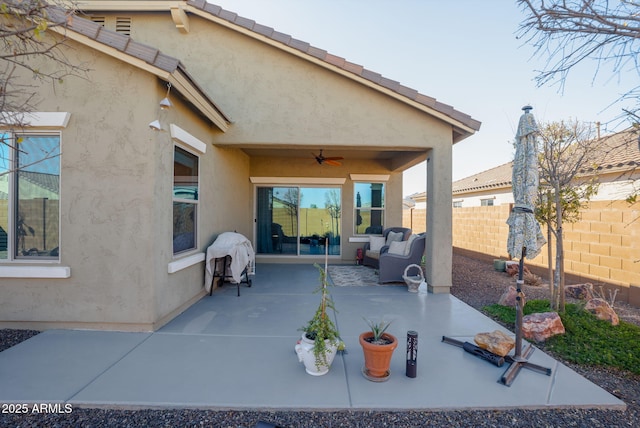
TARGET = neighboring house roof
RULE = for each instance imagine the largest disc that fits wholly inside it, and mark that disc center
(142, 56)
(463, 125)
(50, 182)
(619, 153)
(498, 177)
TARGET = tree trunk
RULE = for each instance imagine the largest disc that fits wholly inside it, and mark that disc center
(552, 290)
(559, 253)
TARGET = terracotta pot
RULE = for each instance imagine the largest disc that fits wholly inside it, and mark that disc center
(377, 358)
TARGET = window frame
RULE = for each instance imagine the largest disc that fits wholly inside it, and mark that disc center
(356, 209)
(196, 202)
(12, 189)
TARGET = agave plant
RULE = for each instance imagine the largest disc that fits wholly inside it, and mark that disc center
(377, 328)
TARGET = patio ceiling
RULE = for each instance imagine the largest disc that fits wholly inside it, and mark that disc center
(396, 158)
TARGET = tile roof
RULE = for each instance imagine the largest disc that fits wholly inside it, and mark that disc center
(619, 152)
(150, 55)
(341, 63)
(498, 177)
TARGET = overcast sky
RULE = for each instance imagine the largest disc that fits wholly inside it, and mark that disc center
(463, 53)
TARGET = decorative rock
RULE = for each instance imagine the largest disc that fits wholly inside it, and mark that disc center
(602, 310)
(541, 326)
(579, 291)
(508, 298)
(513, 268)
(496, 342)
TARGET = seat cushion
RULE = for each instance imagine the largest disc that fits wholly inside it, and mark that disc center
(376, 243)
(407, 249)
(373, 254)
(398, 247)
(394, 237)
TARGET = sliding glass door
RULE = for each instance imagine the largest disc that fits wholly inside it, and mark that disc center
(297, 220)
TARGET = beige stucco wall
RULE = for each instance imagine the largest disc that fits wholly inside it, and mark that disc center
(116, 207)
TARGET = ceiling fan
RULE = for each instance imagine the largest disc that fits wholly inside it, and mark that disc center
(328, 160)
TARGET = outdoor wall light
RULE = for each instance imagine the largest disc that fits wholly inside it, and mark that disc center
(166, 102)
(155, 125)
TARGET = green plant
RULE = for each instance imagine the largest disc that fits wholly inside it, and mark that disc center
(377, 328)
(321, 328)
(587, 340)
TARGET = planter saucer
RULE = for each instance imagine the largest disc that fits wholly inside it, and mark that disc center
(365, 373)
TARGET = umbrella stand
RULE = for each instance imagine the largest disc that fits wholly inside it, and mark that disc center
(520, 357)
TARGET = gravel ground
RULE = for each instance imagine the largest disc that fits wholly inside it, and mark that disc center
(476, 283)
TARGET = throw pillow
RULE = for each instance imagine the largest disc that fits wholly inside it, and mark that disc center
(407, 249)
(394, 237)
(376, 243)
(398, 247)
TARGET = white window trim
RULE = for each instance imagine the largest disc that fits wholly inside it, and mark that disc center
(298, 180)
(182, 136)
(35, 121)
(370, 177)
(39, 119)
(35, 272)
(185, 262)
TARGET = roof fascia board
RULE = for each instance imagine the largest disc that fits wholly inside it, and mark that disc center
(293, 51)
(128, 5)
(176, 78)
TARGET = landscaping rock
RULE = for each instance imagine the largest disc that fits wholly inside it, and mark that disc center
(513, 269)
(541, 326)
(496, 342)
(579, 291)
(508, 298)
(602, 310)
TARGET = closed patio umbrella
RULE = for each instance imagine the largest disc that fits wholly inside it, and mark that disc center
(525, 237)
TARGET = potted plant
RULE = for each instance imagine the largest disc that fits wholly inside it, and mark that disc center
(320, 338)
(378, 347)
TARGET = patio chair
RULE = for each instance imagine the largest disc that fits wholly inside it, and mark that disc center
(371, 254)
(393, 261)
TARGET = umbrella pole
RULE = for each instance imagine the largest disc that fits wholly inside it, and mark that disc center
(520, 357)
(519, 306)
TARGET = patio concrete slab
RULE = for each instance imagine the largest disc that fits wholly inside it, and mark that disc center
(55, 365)
(238, 352)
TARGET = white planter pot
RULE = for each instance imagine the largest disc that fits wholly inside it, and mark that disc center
(304, 349)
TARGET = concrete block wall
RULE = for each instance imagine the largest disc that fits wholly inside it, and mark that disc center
(604, 246)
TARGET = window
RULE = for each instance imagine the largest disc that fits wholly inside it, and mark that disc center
(29, 196)
(185, 200)
(457, 204)
(297, 220)
(369, 208)
(486, 202)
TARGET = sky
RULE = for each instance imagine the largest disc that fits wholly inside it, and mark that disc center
(464, 53)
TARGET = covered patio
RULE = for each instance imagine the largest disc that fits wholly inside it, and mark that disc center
(230, 352)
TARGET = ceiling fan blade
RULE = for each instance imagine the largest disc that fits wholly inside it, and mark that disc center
(334, 158)
(332, 162)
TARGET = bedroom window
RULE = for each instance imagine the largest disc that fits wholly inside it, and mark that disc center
(29, 196)
(369, 208)
(185, 200)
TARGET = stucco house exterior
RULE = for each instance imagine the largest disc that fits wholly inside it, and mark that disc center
(137, 193)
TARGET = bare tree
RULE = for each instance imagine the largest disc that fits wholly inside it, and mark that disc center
(28, 46)
(568, 161)
(569, 32)
(333, 206)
